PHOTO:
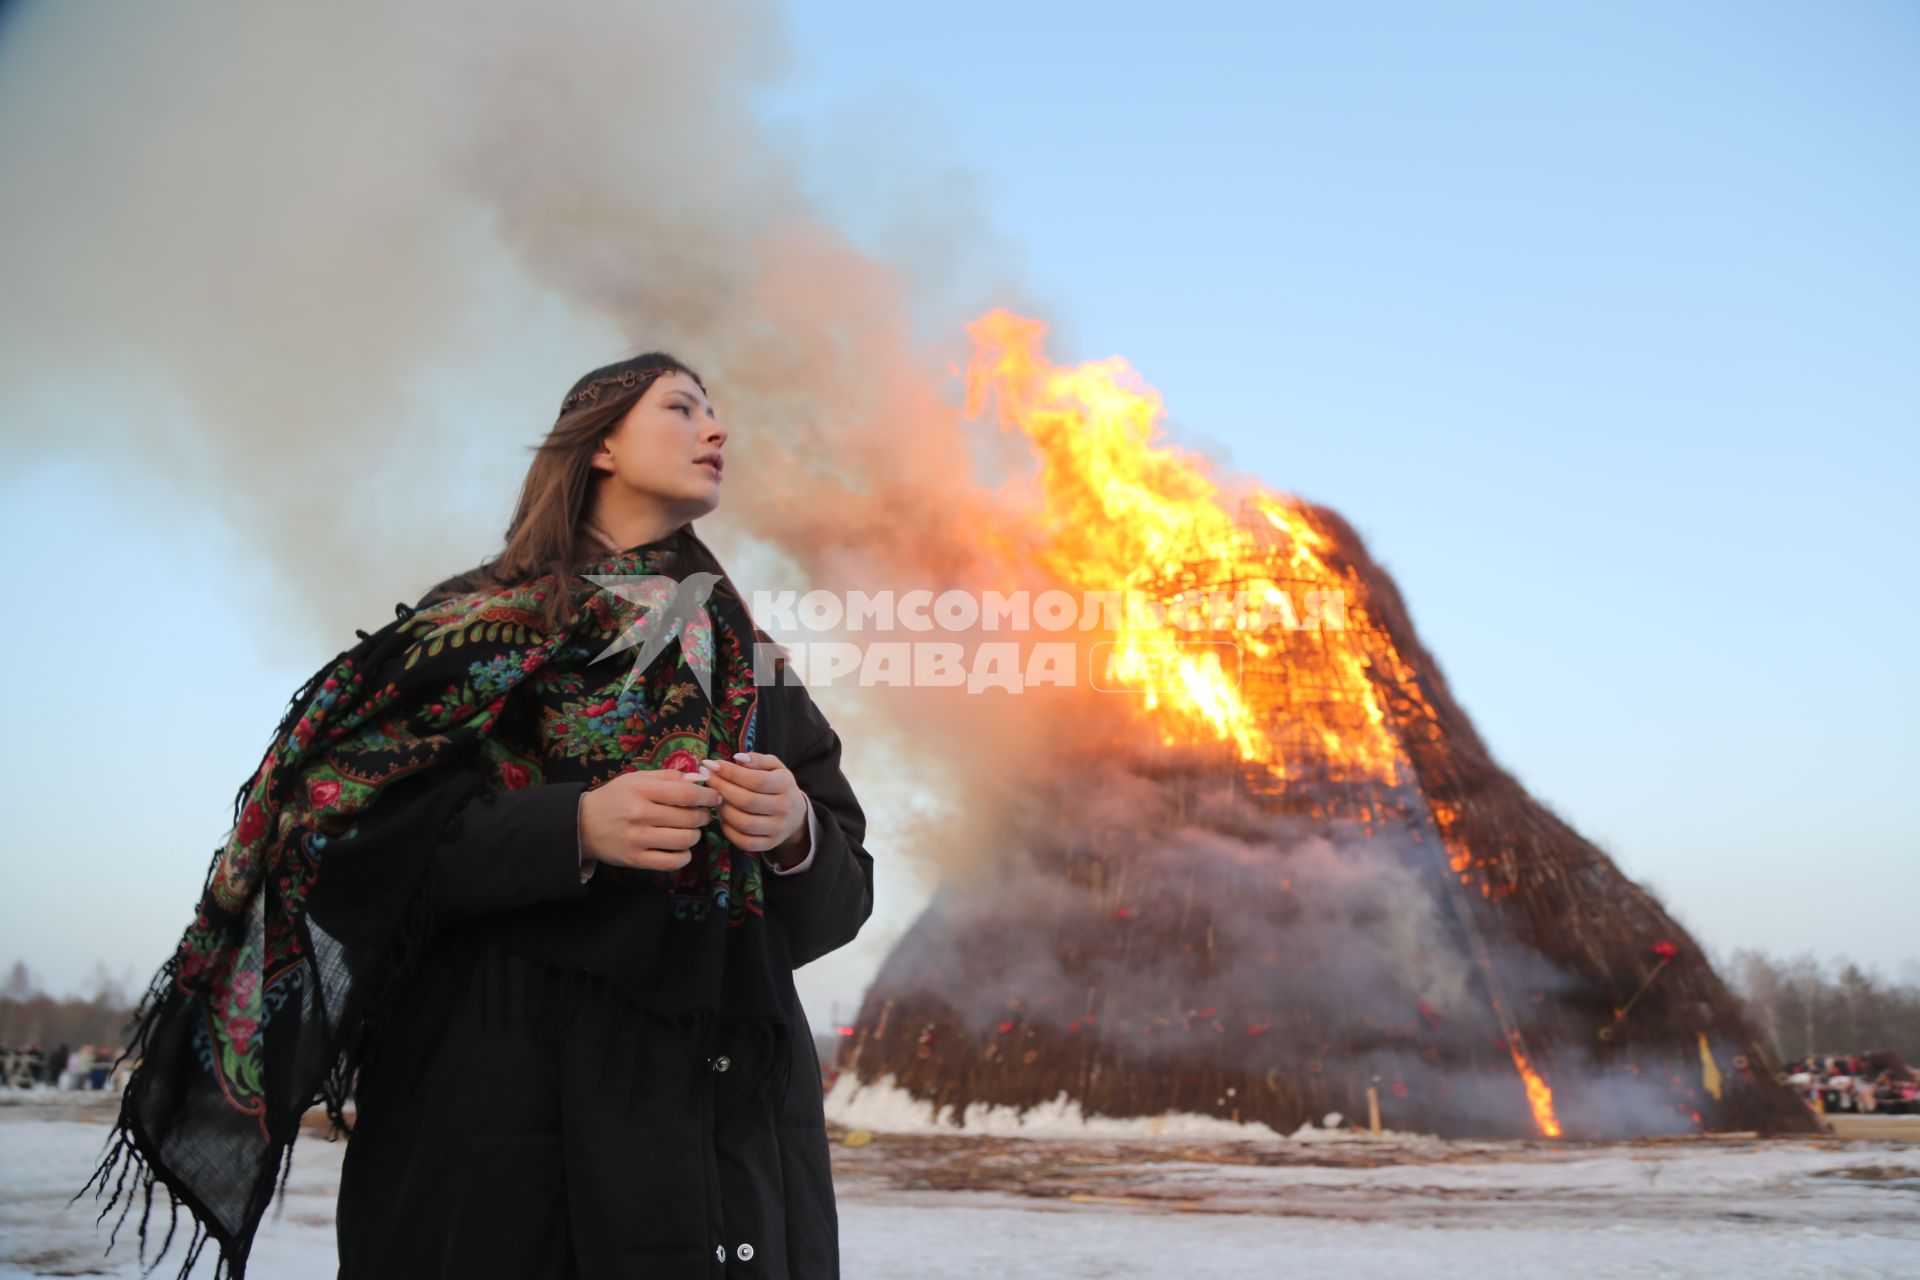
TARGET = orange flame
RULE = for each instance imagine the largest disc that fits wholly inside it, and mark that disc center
(1121, 510)
(1539, 1097)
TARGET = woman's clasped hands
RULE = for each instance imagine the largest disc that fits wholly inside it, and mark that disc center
(653, 818)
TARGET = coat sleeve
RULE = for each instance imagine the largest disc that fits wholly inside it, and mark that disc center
(510, 849)
(823, 907)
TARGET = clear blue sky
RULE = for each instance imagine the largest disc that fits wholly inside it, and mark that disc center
(1599, 322)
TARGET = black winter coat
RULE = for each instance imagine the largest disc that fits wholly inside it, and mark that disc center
(514, 1124)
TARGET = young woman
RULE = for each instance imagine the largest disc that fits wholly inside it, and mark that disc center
(539, 909)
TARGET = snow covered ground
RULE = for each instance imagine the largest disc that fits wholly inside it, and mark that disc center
(923, 1202)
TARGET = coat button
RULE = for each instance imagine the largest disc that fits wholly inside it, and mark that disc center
(722, 1062)
(744, 1253)
(719, 1253)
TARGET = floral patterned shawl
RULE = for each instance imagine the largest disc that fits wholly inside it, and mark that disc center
(319, 899)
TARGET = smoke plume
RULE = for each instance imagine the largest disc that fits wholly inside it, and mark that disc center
(326, 274)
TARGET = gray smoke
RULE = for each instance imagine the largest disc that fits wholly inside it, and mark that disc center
(1194, 923)
(323, 274)
(1169, 902)
(344, 261)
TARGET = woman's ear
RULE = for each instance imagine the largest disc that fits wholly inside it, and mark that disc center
(602, 459)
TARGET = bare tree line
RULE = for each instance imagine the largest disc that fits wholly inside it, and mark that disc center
(29, 1016)
(1804, 1007)
(1801, 1006)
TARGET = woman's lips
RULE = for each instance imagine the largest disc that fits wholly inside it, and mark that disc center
(712, 464)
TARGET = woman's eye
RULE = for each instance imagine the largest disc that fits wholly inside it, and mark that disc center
(685, 408)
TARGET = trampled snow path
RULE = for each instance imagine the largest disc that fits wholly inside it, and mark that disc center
(947, 1207)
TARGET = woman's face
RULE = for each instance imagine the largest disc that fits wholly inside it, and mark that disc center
(667, 449)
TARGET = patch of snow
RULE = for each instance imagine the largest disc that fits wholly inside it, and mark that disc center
(1432, 1209)
(972, 1238)
(884, 1107)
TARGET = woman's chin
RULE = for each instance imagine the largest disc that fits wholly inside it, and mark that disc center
(689, 502)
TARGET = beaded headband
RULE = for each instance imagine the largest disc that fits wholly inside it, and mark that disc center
(590, 394)
(626, 380)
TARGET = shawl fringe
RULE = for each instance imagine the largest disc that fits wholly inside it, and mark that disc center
(127, 1153)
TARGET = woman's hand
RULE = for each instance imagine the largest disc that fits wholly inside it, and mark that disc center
(762, 809)
(649, 818)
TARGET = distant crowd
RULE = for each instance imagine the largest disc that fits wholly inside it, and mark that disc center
(87, 1067)
(1880, 1083)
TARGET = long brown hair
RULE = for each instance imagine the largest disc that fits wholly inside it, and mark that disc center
(548, 533)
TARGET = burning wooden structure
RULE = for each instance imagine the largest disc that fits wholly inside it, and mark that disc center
(1306, 887)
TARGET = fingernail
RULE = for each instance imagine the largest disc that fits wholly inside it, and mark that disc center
(744, 757)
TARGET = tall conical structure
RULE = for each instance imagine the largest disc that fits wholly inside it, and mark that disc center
(1295, 882)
